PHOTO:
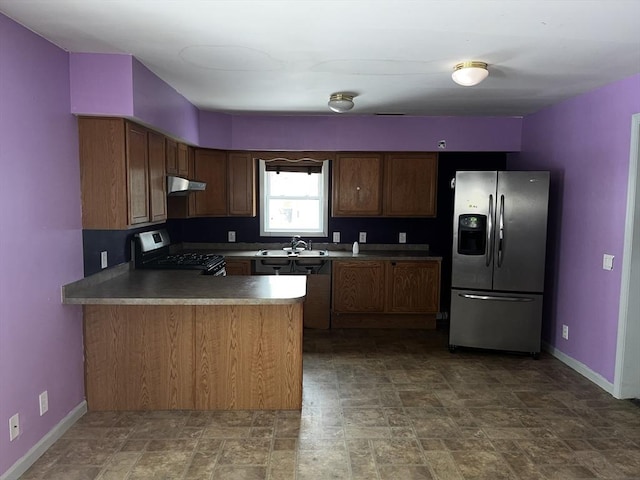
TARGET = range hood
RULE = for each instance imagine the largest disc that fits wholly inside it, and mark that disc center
(182, 186)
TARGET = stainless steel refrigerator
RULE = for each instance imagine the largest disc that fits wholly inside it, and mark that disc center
(498, 260)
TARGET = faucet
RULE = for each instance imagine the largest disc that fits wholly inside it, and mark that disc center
(297, 243)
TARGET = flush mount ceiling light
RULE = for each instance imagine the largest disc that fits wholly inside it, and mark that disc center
(469, 74)
(340, 102)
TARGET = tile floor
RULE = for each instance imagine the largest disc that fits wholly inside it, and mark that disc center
(377, 405)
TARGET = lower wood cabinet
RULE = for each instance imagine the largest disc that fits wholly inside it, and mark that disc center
(238, 267)
(139, 357)
(358, 286)
(388, 294)
(413, 287)
(248, 357)
(179, 357)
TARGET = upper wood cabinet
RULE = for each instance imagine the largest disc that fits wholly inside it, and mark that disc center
(184, 169)
(230, 178)
(357, 185)
(172, 156)
(157, 176)
(241, 173)
(121, 165)
(137, 161)
(410, 185)
(210, 166)
(177, 159)
(391, 185)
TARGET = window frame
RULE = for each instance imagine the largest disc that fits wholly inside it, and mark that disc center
(324, 205)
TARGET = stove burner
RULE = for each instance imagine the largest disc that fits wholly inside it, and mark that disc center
(189, 259)
(151, 250)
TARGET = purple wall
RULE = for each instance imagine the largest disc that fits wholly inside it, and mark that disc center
(585, 143)
(160, 106)
(40, 339)
(119, 85)
(101, 84)
(105, 84)
(386, 133)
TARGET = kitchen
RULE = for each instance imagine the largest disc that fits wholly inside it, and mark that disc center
(37, 330)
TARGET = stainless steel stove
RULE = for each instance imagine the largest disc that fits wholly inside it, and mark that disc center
(151, 250)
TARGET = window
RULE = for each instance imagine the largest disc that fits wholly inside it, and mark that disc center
(294, 199)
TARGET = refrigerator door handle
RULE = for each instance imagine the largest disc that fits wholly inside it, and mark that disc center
(501, 232)
(493, 297)
(489, 253)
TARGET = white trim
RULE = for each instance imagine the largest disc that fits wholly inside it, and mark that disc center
(45, 442)
(579, 367)
(627, 372)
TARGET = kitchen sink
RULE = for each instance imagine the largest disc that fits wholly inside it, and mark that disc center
(293, 258)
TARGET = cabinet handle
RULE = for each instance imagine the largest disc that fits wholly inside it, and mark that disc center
(358, 188)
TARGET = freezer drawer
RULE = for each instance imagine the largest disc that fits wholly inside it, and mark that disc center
(498, 321)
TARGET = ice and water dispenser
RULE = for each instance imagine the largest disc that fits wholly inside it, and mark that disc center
(472, 234)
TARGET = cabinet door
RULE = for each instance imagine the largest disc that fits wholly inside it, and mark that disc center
(413, 286)
(357, 185)
(172, 157)
(358, 286)
(103, 173)
(210, 166)
(410, 185)
(183, 160)
(242, 181)
(157, 177)
(137, 174)
(238, 267)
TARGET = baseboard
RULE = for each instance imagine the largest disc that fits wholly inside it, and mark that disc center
(45, 442)
(579, 367)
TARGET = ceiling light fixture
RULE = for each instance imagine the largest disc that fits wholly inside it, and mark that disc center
(469, 74)
(340, 102)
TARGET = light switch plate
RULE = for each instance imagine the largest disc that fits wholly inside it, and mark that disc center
(607, 262)
(231, 236)
(362, 238)
(402, 238)
(336, 237)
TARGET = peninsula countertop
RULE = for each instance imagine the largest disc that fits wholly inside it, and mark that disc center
(122, 286)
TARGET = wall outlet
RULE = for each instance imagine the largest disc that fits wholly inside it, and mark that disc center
(362, 238)
(14, 427)
(607, 262)
(104, 262)
(44, 402)
(402, 238)
(336, 237)
(231, 236)
(565, 332)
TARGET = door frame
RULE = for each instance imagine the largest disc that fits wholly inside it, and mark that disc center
(626, 382)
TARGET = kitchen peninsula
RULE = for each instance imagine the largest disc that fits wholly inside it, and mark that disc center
(178, 340)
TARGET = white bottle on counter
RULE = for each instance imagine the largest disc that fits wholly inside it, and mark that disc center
(356, 248)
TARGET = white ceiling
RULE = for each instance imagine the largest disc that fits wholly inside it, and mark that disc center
(288, 56)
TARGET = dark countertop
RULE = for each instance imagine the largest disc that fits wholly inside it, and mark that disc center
(122, 286)
(248, 251)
